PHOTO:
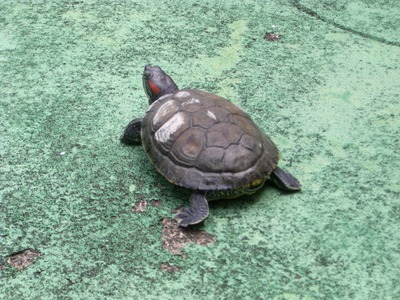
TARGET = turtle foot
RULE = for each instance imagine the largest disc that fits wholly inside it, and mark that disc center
(195, 213)
(131, 135)
(285, 181)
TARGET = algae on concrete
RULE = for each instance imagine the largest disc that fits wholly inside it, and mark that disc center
(70, 80)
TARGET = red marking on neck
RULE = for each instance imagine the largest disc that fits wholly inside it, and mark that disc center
(154, 89)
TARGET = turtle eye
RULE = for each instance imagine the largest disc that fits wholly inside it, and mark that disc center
(146, 74)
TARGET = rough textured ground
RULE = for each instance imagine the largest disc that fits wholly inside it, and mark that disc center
(327, 93)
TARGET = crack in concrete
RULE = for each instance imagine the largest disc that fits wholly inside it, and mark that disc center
(310, 12)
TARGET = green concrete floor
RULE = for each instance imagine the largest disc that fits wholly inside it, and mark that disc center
(327, 93)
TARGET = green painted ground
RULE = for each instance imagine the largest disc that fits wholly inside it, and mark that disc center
(327, 93)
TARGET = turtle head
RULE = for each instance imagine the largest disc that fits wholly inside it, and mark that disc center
(157, 83)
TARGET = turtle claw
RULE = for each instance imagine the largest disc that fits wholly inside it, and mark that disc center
(195, 213)
(184, 217)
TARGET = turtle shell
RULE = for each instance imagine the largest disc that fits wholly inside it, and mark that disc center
(201, 141)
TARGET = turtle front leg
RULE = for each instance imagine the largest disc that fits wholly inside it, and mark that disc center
(196, 212)
(131, 135)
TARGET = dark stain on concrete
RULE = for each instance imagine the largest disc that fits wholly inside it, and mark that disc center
(272, 36)
(22, 259)
(140, 206)
(166, 267)
(175, 238)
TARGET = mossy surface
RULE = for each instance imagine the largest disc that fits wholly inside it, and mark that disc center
(327, 93)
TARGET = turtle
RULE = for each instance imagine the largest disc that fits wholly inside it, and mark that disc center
(203, 142)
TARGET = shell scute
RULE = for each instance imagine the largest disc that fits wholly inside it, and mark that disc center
(223, 135)
(163, 113)
(238, 158)
(211, 160)
(188, 146)
(168, 133)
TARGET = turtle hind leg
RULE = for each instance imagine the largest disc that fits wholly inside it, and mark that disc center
(196, 212)
(131, 135)
(285, 181)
